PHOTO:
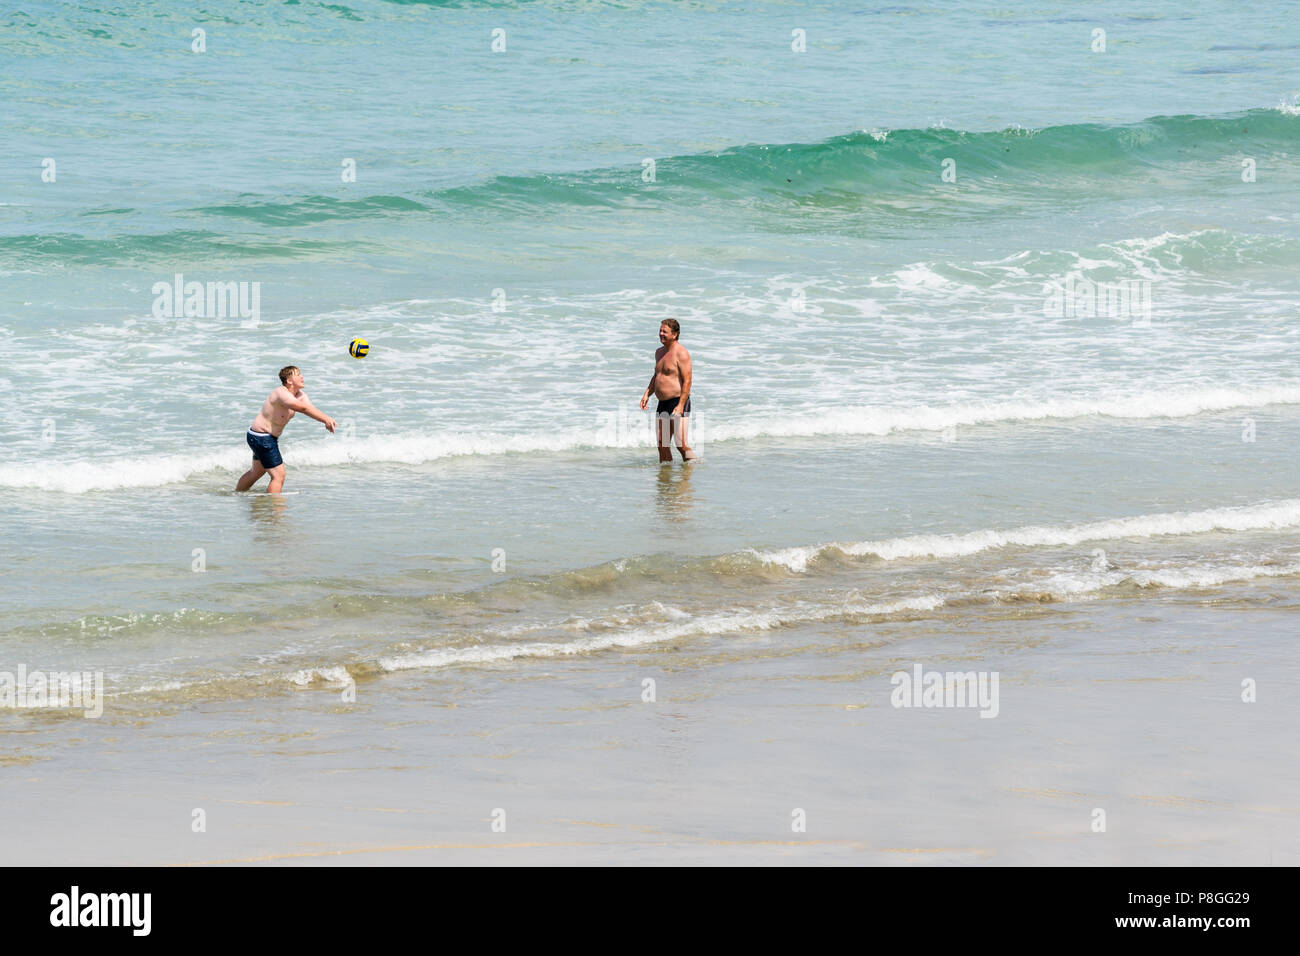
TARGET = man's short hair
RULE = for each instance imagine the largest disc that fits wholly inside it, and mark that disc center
(672, 324)
(286, 372)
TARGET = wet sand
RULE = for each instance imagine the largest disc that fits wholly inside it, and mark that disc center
(1129, 706)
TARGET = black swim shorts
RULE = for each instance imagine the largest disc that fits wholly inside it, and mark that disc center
(669, 406)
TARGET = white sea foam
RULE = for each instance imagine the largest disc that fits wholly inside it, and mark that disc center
(613, 631)
(336, 674)
(1290, 107)
(885, 421)
(1074, 584)
(77, 477)
(1206, 577)
(1064, 586)
(1274, 515)
(921, 276)
(726, 622)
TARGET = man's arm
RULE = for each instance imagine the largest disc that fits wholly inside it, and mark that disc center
(684, 371)
(645, 396)
(303, 404)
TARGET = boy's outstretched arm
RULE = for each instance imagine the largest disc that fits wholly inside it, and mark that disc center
(303, 404)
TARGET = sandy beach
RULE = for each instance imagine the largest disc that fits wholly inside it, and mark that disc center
(1153, 732)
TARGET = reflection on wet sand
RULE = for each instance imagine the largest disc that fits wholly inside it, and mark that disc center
(675, 496)
(267, 512)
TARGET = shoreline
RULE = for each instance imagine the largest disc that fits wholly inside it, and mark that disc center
(1127, 705)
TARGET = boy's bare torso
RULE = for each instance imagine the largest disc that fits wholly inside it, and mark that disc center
(275, 413)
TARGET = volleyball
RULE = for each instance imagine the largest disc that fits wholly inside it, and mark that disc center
(358, 348)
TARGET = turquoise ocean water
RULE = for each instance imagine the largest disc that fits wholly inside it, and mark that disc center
(980, 316)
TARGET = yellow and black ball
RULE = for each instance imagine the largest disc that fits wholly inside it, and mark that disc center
(359, 348)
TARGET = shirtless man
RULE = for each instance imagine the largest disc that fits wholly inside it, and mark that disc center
(263, 436)
(671, 384)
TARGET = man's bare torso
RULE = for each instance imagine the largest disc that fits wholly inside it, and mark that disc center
(668, 374)
(275, 414)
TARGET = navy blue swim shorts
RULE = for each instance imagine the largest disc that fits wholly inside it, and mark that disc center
(266, 449)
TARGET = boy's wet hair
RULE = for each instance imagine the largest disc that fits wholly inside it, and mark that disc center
(286, 372)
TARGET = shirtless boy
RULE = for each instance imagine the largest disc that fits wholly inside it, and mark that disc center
(263, 436)
(671, 384)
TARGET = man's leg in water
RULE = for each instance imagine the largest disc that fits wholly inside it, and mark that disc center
(277, 479)
(663, 435)
(249, 478)
(679, 426)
